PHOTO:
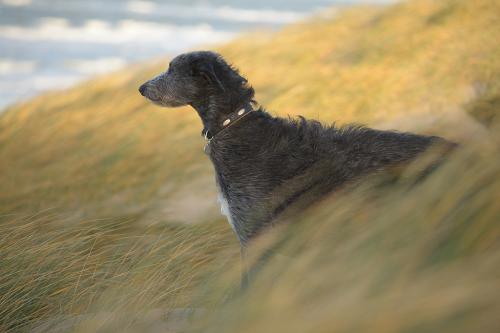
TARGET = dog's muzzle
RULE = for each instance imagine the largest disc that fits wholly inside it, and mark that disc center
(142, 89)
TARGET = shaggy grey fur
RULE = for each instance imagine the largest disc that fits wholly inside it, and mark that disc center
(265, 164)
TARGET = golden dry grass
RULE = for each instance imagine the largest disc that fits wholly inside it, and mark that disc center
(94, 182)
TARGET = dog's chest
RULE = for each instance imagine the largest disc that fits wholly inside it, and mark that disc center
(224, 209)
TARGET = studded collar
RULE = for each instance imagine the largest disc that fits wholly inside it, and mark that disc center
(228, 121)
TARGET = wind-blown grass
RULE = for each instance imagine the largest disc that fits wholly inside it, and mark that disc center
(108, 210)
(404, 258)
(50, 268)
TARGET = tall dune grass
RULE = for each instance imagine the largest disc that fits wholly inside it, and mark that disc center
(403, 257)
(49, 268)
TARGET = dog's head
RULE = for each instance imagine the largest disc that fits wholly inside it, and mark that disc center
(192, 78)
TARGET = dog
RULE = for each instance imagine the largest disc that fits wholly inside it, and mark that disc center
(265, 165)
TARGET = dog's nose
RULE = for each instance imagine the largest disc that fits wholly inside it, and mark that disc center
(142, 89)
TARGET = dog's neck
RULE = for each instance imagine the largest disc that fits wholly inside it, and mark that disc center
(218, 112)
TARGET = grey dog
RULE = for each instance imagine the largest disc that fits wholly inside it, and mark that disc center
(266, 165)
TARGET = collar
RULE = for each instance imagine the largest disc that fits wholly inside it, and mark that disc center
(228, 121)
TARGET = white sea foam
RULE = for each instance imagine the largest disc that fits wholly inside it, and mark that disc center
(251, 15)
(95, 66)
(15, 3)
(141, 7)
(30, 85)
(11, 66)
(56, 81)
(40, 82)
(125, 31)
(223, 13)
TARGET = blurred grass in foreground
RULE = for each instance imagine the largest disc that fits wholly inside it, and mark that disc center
(108, 210)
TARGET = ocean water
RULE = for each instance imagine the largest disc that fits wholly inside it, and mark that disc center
(53, 44)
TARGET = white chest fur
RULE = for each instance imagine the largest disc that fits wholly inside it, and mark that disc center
(224, 209)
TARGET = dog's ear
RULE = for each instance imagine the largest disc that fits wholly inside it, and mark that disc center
(207, 72)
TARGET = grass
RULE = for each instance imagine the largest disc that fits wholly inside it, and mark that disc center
(97, 188)
(71, 269)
